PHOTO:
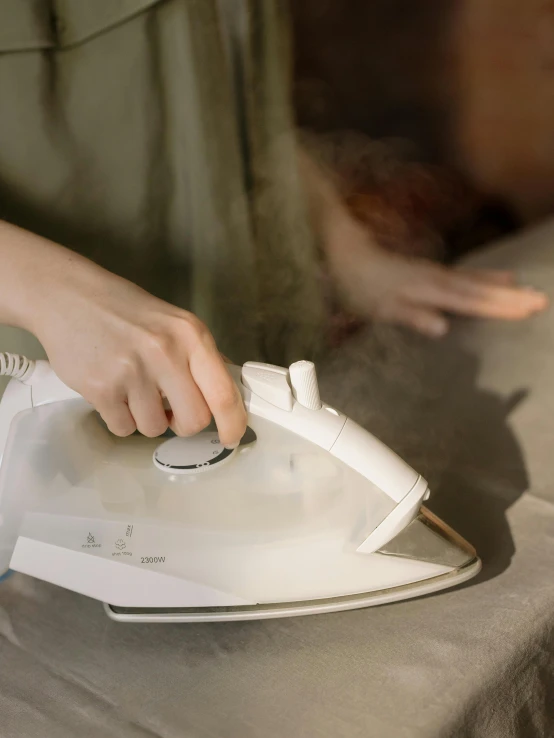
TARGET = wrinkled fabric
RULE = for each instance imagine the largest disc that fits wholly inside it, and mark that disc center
(475, 415)
(156, 137)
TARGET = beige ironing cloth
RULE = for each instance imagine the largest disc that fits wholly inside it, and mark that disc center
(475, 415)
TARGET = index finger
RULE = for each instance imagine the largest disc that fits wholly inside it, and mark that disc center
(495, 300)
(500, 277)
(222, 395)
(464, 294)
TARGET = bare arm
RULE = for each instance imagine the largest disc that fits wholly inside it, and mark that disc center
(27, 261)
(118, 346)
(377, 284)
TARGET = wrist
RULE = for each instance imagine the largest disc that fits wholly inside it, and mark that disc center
(338, 229)
(34, 272)
(20, 271)
(343, 235)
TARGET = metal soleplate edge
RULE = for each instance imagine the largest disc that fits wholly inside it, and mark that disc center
(296, 609)
(427, 538)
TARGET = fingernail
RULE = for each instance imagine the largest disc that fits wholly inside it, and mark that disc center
(232, 446)
(540, 297)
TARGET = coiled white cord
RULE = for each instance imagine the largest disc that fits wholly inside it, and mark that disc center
(16, 366)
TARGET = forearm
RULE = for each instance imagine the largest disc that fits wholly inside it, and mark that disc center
(332, 220)
(325, 202)
(31, 267)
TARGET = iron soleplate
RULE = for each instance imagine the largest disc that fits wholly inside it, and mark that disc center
(296, 609)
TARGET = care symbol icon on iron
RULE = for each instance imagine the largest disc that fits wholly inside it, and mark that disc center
(120, 544)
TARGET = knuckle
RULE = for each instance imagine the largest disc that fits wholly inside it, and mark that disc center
(124, 370)
(202, 419)
(195, 329)
(196, 424)
(226, 399)
(99, 391)
(153, 429)
(119, 423)
(165, 343)
(122, 430)
(193, 425)
(159, 345)
(108, 386)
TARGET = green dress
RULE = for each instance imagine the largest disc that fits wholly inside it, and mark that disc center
(156, 137)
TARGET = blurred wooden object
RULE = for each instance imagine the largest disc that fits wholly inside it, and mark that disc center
(469, 82)
(504, 130)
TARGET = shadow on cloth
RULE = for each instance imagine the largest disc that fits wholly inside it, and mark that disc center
(422, 399)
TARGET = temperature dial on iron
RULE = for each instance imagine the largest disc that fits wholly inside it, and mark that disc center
(195, 455)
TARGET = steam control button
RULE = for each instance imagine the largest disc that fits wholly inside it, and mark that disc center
(269, 382)
(303, 378)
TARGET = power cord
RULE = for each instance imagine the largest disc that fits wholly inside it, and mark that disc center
(16, 366)
(20, 368)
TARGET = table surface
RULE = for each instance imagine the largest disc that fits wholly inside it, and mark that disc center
(475, 414)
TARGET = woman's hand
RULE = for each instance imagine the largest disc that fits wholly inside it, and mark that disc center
(377, 284)
(121, 348)
(380, 285)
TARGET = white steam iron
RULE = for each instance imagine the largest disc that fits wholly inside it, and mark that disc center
(310, 514)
